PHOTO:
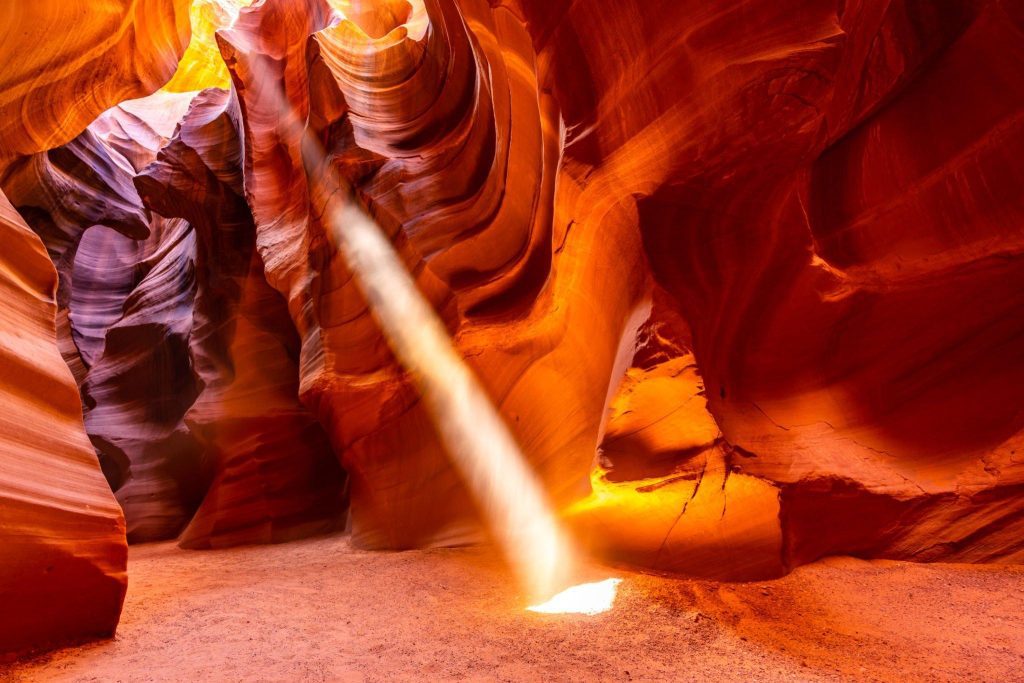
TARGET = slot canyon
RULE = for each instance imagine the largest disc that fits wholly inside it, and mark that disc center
(333, 330)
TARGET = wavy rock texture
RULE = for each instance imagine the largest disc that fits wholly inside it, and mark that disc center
(186, 358)
(565, 179)
(62, 569)
(276, 477)
(137, 393)
(819, 223)
(743, 277)
(417, 125)
(65, 63)
(130, 321)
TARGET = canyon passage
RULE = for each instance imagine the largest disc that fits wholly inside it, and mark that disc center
(639, 329)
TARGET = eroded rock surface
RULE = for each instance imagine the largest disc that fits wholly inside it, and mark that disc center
(742, 277)
(562, 178)
(65, 63)
(62, 535)
(62, 565)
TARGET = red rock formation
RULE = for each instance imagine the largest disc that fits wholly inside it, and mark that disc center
(432, 124)
(64, 63)
(820, 226)
(64, 191)
(275, 475)
(62, 564)
(716, 145)
(136, 380)
(749, 269)
(186, 358)
(138, 391)
(62, 569)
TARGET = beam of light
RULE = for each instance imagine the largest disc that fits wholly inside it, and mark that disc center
(477, 440)
(586, 598)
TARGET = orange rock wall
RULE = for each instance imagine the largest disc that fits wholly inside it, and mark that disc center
(62, 534)
(65, 63)
(742, 277)
(852, 305)
(62, 565)
(696, 191)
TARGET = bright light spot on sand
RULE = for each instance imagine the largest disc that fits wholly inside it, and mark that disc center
(586, 598)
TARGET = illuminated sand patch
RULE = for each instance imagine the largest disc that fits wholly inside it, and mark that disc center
(586, 598)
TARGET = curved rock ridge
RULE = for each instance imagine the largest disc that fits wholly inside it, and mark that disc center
(818, 225)
(186, 359)
(129, 321)
(66, 190)
(425, 157)
(139, 129)
(65, 63)
(62, 569)
(138, 391)
(275, 477)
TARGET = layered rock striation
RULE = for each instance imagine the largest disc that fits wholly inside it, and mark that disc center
(62, 535)
(724, 255)
(62, 565)
(743, 278)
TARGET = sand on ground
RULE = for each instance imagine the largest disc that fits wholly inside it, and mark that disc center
(319, 610)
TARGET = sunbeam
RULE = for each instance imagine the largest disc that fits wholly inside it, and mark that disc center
(480, 445)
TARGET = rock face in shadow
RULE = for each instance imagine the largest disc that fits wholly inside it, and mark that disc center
(185, 357)
(842, 240)
(128, 285)
(274, 476)
(742, 277)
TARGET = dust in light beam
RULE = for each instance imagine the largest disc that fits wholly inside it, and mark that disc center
(480, 445)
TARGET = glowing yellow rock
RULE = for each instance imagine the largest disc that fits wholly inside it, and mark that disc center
(202, 65)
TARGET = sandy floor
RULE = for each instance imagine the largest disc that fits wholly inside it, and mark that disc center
(319, 610)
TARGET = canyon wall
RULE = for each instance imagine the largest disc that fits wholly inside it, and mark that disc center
(62, 534)
(743, 278)
(745, 271)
